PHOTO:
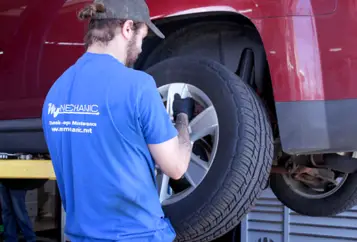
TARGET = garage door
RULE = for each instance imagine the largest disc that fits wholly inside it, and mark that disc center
(270, 221)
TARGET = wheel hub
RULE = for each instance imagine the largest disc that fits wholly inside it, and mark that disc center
(204, 133)
(313, 182)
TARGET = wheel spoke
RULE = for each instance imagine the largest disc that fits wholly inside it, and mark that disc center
(204, 124)
(197, 169)
(180, 88)
(163, 185)
(197, 160)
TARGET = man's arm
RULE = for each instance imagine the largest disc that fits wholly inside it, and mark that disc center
(173, 156)
(185, 146)
(169, 147)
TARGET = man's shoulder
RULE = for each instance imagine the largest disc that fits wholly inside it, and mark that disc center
(62, 82)
(141, 74)
(138, 74)
(138, 78)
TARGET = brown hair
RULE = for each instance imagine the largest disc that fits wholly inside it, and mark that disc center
(100, 30)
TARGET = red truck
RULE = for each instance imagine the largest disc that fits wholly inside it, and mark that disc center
(275, 88)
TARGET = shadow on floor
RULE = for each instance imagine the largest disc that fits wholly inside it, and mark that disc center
(232, 236)
(52, 236)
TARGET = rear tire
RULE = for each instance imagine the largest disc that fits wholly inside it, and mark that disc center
(244, 156)
(343, 199)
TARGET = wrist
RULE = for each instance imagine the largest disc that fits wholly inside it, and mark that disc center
(182, 118)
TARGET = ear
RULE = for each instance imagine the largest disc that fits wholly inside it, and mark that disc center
(127, 29)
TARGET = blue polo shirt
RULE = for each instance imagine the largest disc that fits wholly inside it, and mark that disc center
(98, 119)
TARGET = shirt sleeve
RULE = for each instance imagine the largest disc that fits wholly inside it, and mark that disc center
(154, 120)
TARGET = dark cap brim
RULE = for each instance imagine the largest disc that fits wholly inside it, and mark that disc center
(155, 29)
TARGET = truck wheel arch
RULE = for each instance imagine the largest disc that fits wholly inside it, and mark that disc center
(177, 26)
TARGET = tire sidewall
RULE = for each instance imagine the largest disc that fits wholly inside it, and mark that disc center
(344, 198)
(197, 73)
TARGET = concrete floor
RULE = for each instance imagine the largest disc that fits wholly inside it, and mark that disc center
(53, 236)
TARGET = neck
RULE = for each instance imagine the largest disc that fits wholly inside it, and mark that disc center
(109, 50)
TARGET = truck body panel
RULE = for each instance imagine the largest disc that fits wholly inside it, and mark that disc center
(309, 46)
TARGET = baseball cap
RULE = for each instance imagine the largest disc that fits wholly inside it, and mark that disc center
(135, 10)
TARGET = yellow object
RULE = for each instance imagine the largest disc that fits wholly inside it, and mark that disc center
(27, 169)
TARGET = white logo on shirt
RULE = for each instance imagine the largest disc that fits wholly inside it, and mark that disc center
(88, 109)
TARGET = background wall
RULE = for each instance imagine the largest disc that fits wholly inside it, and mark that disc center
(270, 221)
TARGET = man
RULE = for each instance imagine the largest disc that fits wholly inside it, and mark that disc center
(105, 125)
(14, 212)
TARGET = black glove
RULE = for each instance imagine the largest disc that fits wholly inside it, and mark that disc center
(183, 105)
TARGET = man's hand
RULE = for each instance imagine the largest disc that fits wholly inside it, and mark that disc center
(183, 105)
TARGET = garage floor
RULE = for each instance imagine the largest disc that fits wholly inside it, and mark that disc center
(53, 236)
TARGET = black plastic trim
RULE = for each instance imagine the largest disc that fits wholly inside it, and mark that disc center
(19, 125)
(22, 135)
(318, 126)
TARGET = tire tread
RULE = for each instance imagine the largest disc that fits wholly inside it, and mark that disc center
(254, 160)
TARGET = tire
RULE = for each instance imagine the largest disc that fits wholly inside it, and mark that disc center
(343, 199)
(244, 156)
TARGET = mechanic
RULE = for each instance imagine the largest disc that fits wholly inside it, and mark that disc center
(106, 129)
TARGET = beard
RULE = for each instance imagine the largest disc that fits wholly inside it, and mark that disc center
(132, 53)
